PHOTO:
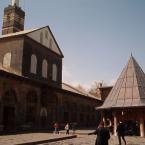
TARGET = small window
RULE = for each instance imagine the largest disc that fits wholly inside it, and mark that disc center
(33, 68)
(54, 72)
(7, 60)
(41, 37)
(44, 69)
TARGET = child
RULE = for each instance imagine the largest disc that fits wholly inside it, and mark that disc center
(67, 128)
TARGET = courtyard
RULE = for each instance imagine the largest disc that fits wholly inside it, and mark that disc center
(90, 140)
(81, 138)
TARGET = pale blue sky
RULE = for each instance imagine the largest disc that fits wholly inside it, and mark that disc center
(95, 36)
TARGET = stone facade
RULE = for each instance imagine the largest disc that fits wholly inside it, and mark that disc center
(30, 101)
(21, 49)
(17, 97)
(29, 104)
(15, 47)
(77, 108)
(31, 93)
(41, 52)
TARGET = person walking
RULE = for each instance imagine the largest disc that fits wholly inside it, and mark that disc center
(56, 128)
(121, 132)
(103, 135)
(67, 128)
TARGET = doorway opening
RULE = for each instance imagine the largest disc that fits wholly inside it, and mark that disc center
(9, 118)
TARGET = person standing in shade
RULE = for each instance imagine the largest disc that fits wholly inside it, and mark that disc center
(103, 135)
(67, 128)
(74, 127)
(121, 132)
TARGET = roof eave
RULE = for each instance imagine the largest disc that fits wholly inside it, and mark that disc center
(122, 108)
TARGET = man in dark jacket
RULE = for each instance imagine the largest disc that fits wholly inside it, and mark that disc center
(121, 132)
(103, 135)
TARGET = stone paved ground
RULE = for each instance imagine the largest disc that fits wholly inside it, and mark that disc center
(82, 139)
(90, 140)
(26, 138)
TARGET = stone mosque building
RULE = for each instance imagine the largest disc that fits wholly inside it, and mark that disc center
(32, 95)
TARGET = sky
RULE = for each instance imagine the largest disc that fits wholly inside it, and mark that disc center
(96, 37)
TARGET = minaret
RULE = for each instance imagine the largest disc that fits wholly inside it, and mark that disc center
(15, 2)
(13, 20)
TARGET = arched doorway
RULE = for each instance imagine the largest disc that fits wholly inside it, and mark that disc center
(43, 116)
(66, 112)
(9, 103)
(31, 108)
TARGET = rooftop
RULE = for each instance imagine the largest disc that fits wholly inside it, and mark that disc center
(77, 91)
(129, 90)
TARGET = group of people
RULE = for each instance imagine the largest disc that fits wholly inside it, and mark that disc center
(103, 134)
(66, 127)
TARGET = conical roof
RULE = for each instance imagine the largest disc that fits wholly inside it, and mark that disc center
(129, 90)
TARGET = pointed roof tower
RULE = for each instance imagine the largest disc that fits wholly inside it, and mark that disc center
(129, 90)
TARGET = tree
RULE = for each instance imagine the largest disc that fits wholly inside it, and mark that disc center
(94, 90)
(81, 88)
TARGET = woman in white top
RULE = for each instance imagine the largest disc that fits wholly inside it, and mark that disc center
(67, 128)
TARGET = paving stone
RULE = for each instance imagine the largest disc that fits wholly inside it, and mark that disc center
(82, 139)
(90, 140)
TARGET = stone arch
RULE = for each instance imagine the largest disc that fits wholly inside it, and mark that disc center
(43, 111)
(7, 59)
(9, 97)
(43, 116)
(54, 72)
(31, 107)
(33, 67)
(9, 109)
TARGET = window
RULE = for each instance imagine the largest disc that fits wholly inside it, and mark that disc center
(7, 60)
(44, 68)
(33, 68)
(54, 72)
(41, 37)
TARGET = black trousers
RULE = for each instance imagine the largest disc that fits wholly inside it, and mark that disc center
(119, 139)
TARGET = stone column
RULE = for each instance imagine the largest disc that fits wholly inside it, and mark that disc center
(1, 117)
(102, 117)
(115, 123)
(142, 128)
